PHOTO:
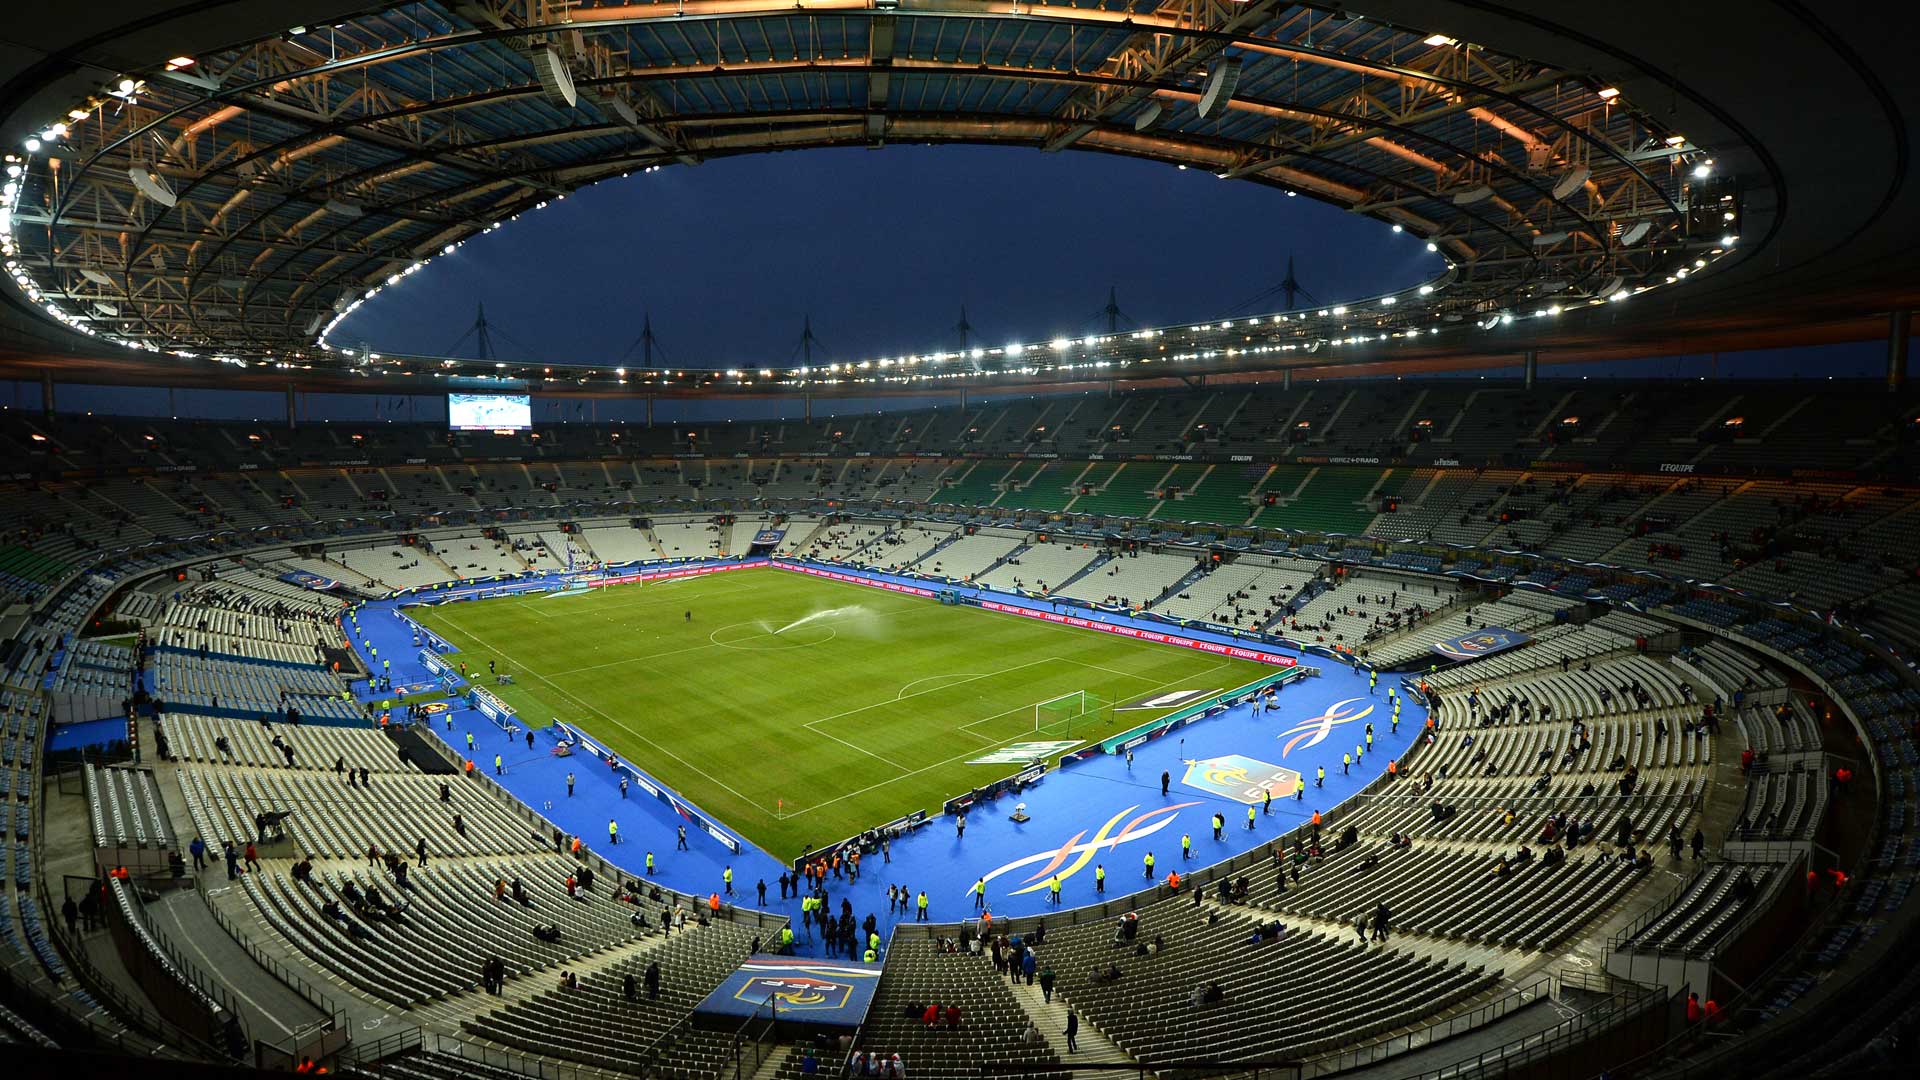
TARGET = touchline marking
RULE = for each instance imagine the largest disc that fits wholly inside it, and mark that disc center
(695, 648)
(631, 731)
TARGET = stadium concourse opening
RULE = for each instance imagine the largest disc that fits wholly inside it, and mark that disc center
(735, 721)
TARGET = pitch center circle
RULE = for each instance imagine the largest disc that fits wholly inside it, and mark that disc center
(753, 637)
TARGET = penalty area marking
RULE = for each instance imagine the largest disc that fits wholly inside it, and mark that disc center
(937, 763)
(930, 678)
(957, 757)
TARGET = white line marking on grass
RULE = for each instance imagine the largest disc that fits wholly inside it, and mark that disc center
(935, 690)
(965, 753)
(622, 725)
(855, 746)
(1103, 667)
(710, 645)
(930, 678)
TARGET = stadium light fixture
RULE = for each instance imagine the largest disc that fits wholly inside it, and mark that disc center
(1431, 246)
(1608, 93)
(1702, 171)
(1397, 228)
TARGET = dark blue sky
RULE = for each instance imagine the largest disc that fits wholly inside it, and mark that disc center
(881, 248)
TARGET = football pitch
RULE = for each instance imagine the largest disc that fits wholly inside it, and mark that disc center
(800, 711)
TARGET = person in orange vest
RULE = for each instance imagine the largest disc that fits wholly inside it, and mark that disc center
(1316, 817)
(1173, 880)
(576, 846)
(383, 720)
(713, 902)
(1393, 770)
(1693, 1008)
(469, 767)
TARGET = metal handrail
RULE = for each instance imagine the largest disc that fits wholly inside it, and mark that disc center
(1540, 988)
(278, 970)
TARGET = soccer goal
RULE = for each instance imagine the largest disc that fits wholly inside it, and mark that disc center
(1068, 715)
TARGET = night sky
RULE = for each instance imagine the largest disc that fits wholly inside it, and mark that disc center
(882, 248)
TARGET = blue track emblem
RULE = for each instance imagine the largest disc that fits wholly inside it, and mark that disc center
(1240, 778)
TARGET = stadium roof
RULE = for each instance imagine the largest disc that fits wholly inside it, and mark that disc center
(207, 189)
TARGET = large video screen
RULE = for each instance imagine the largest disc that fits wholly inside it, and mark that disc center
(489, 412)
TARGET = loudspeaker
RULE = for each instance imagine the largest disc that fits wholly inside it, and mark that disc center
(151, 186)
(1148, 116)
(1571, 182)
(1220, 86)
(555, 77)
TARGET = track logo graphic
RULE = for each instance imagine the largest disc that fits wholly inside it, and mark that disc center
(796, 992)
(1314, 731)
(1240, 778)
(1110, 835)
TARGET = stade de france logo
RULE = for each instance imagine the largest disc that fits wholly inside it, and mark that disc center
(1240, 778)
(796, 992)
(1110, 835)
(1480, 642)
(1313, 732)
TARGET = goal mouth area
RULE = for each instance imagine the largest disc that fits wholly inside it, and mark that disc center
(1070, 715)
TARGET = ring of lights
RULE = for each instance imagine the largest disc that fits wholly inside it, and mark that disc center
(258, 199)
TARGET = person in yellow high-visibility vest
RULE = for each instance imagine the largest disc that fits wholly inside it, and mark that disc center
(1100, 879)
(1149, 865)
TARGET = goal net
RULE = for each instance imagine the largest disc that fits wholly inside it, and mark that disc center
(1069, 715)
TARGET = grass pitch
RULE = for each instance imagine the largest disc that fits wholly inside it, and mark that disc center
(798, 710)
